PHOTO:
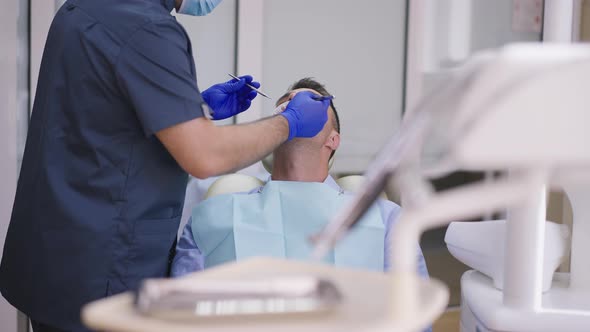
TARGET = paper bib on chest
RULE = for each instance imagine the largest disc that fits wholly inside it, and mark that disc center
(278, 221)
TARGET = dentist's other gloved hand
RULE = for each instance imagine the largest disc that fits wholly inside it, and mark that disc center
(230, 98)
(306, 116)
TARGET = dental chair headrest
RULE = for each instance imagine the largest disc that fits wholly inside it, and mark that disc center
(233, 183)
(353, 183)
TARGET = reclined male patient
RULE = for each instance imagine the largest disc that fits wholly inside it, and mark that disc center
(277, 219)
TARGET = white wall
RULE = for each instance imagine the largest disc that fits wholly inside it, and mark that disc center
(493, 25)
(356, 49)
(13, 113)
(449, 31)
(213, 39)
(42, 12)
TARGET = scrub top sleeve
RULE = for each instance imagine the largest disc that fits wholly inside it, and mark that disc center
(155, 70)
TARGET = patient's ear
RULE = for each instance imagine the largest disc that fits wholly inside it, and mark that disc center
(333, 141)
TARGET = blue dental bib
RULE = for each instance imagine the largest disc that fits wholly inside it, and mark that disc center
(277, 222)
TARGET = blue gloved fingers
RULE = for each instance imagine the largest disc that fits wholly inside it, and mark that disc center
(248, 78)
(209, 95)
(251, 95)
(307, 98)
(246, 104)
(233, 85)
(246, 96)
(246, 93)
(305, 115)
(230, 98)
(325, 103)
(255, 84)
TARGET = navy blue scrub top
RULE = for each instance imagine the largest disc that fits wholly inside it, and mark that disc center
(99, 198)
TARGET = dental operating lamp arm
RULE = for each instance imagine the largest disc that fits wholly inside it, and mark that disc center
(521, 109)
(472, 123)
(436, 211)
(401, 149)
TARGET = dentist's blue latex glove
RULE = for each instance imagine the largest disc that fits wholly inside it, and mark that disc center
(306, 115)
(230, 98)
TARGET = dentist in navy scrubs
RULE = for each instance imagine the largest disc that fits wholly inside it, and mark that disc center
(118, 121)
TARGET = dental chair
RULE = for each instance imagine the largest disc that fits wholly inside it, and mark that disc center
(353, 183)
(236, 183)
(239, 183)
(233, 183)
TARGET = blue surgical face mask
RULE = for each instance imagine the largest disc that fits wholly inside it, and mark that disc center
(197, 7)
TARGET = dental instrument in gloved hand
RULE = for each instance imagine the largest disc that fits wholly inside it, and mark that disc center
(251, 87)
(230, 98)
(306, 115)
